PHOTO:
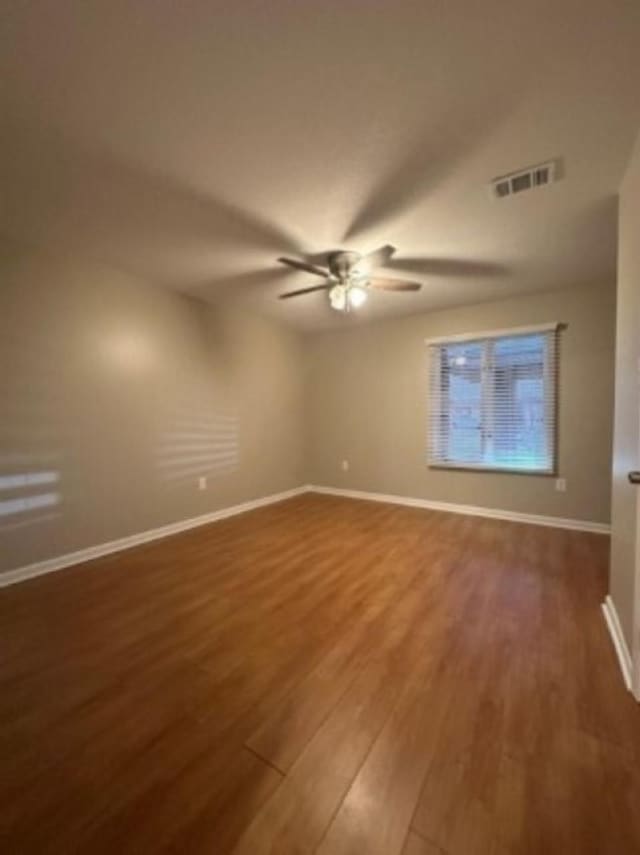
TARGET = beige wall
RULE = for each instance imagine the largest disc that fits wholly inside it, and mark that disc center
(367, 404)
(115, 396)
(626, 433)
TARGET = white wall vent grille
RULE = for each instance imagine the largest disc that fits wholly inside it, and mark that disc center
(524, 179)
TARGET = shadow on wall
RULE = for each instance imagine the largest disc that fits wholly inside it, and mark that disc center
(205, 446)
(28, 494)
(33, 459)
(87, 201)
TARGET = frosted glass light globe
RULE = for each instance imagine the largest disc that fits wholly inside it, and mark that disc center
(338, 298)
(357, 295)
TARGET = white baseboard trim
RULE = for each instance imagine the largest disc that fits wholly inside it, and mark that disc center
(619, 643)
(29, 571)
(468, 510)
(20, 574)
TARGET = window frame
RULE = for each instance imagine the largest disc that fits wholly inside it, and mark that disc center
(551, 376)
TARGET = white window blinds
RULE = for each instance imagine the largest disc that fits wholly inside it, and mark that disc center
(492, 400)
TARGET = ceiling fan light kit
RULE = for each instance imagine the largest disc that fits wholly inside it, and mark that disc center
(348, 278)
(342, 298)
(338, 298)
(357, 295)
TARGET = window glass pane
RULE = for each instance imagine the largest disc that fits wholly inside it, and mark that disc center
(518, 436)
(492, 402)
(462, 385)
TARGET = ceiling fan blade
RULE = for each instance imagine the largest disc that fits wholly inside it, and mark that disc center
(394, 284)
(304, 291)
(306, 266)
(434, 266)
(378, 258)
(320, 259)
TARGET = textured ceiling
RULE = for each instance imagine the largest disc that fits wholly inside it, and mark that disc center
(194, 142)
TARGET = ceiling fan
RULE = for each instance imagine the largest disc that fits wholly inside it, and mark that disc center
(348, 276)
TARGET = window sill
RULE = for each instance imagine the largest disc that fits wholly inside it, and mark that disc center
(499, 470)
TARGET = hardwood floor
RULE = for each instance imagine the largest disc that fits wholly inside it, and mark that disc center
(322, 675)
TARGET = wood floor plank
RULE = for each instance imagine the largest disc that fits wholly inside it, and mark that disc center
(281, 738)
(416, 845)
(297, 815)
(381, 626)
(376, 812)
(203, 808)
(423, 679)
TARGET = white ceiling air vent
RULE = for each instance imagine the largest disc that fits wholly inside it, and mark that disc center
(524, 179)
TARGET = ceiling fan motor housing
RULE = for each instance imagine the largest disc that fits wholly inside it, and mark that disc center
(348, 276)
(342, 263)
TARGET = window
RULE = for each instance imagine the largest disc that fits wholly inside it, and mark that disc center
(492, 402)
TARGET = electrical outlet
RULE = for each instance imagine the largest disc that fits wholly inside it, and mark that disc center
(561, 485)
(345, 465)
(202, 483)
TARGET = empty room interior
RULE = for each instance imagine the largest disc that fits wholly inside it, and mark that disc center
(320, 427)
